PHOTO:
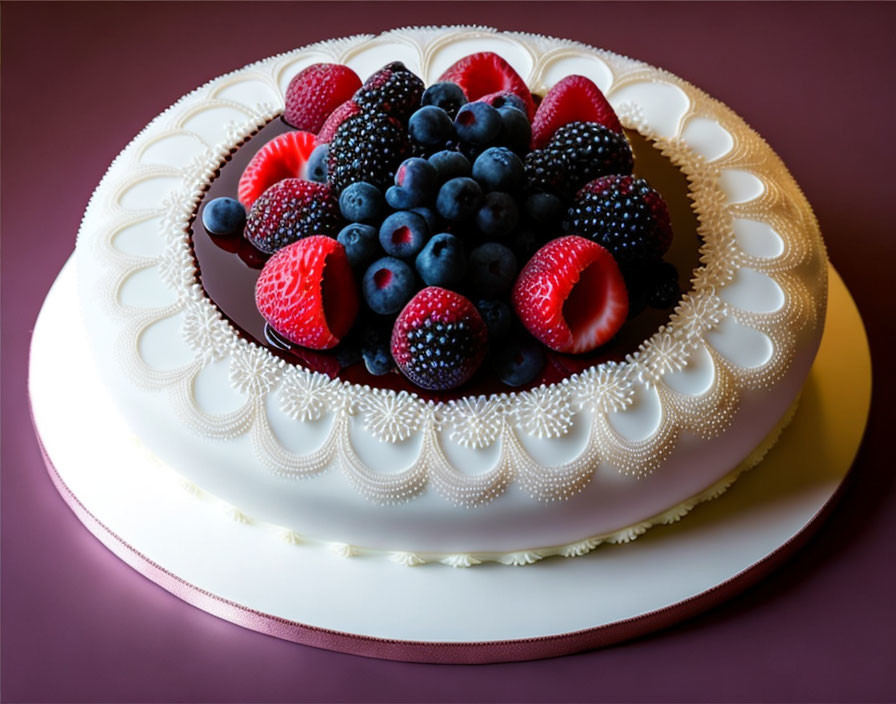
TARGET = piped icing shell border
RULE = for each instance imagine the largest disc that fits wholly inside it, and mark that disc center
(759, 235)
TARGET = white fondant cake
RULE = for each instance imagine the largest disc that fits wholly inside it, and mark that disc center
(512, 477)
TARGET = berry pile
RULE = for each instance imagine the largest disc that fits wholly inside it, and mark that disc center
(437, 227)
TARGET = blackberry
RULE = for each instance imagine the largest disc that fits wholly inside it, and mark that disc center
(548, 172)
(440, 353)
(663, 290)
(591, 150)
(393, 90)
(624, 215)
(367, 147)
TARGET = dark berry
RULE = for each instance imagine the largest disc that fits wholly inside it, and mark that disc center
(387, 285)
(224, 216)
(549, 172)
(428, 214)
(518, 362)
(316, 168)
(445, 95)
(499, 169)
(403, 234)
(362, 244)
(497, 318)
(498, 216)
(545, 209)
(477, 123)
(450, 164)
(361, 202)
(506, 99)
(459, 199)
(430, 126)
(367, 147)
(591, 150)
(493, 269)
(415, 184)
(393, 90)
(516, 132)
(663, 290)
(441, 262)
(375, 351)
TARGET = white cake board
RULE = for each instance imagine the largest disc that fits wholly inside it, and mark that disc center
(434, 613)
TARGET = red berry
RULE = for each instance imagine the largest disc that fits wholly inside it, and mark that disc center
(484, 73)
(338, 116)
(290, 210)
(283, 157)
(307, 292)
(574, 99)
(571, 295)
(439, 339)
(315, 92)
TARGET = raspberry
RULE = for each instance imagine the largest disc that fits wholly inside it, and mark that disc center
(367, 147)
(591, 150)
(315, 91)
(393, 90)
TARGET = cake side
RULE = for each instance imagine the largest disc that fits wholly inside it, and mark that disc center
(517, 470)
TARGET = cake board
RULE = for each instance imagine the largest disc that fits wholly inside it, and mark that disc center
(492, 613)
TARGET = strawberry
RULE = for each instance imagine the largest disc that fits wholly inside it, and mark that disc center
(306, 292)
(484, 73)
(282, 157)
(315, 92)
(571, 295)
(574, 99)
(336, 118)
(290, 210)
(439, 339)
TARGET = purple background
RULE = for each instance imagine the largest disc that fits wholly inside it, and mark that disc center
(78, 625)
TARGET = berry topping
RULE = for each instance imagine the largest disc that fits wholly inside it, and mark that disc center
(445, 95)
(316, 168)
(307, 294)
(315, 92)
(416, 182)
(499, 169)
(548, 171)
(459, 199)
(624, 215)
(591, 150)
(375, 349)
(290, 210)
(516, 133)
(339, 115)
(663, 291)
(545, 209)
(477, 123)
(450, 164)
(403, 234)
(498, 216)
(497, 318)
(484, 73)
(223, 217)
(368, 147)
(492, 269)
(387, 285)
(505, 98)
(439, 340)
(393, 90)
(283, 157)
(571, 295)
(518, 362)
(361, 202)
(362, 244)
(573, 99)
(441, 262)
(430, 126)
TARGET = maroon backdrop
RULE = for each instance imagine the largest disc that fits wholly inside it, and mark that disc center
(80, 80)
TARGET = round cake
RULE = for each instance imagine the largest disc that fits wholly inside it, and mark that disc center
(596, 448)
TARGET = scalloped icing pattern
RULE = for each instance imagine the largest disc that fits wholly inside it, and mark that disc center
(633, 416)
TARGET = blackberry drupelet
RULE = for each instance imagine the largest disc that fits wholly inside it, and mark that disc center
(548, 172)
(368, 147)
(591, 150)
(393, 90)
(440, 354)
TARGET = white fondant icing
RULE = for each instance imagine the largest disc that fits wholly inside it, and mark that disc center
(662, 105)
(707, 137)
(740, 186)
(753, 291)
(757, 239)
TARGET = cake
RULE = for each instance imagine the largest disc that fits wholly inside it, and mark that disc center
(368, 465)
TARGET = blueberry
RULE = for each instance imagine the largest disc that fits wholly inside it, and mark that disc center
(361, 244)
(445, 95)
(387, 285)
(459, 199)
(430, 126)
(441, 263)
(499, 169)
(497, 318)
(415, 184)
(518, 362)
(450, 164)
(477, 123)
(516, 132)
(375, 349)
(493, 269)
(525, 242)
(361, 202)
(428, 214)
(509, 100)
(224, 216)
(403, 234)
(545, 208)
(316, 167)
(498, 216)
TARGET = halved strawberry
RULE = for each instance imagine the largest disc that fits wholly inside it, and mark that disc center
(307, 292)
(282, 157)
(573, 99)
(315, 92)
(336, 118)
(571, 295)
(484, 73)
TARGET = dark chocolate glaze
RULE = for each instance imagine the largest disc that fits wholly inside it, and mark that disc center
(229, 267)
